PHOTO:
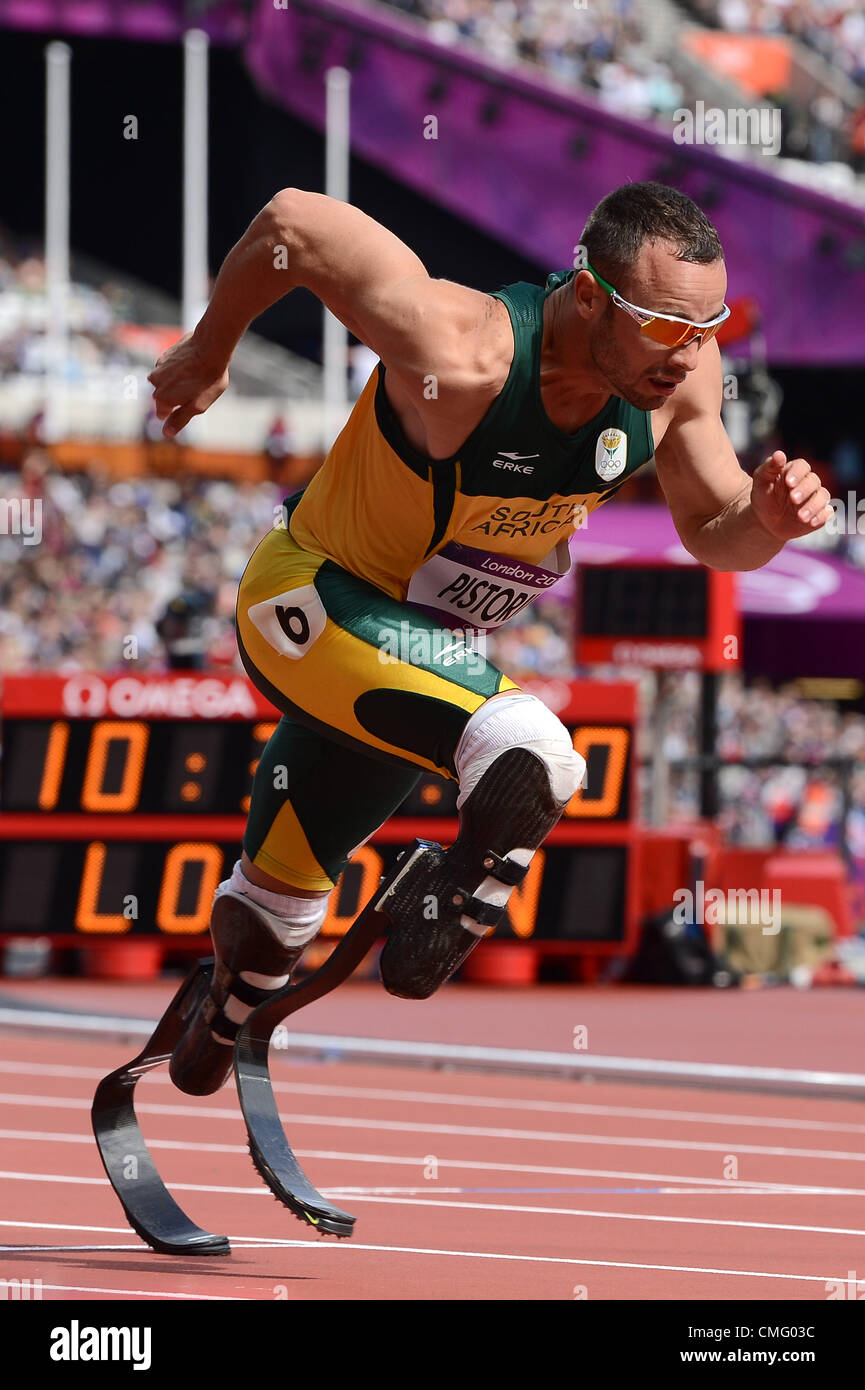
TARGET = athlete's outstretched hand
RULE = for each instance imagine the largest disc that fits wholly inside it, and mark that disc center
(186, 381)
(787, 498)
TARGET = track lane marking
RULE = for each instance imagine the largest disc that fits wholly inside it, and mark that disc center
(150, 1293)
(468, 1100)
(537, 1169)
(243, 1242)
(498, 1207)
(472, 1131)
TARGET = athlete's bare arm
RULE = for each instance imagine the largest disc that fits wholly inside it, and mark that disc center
(725, 518)
(425, 331)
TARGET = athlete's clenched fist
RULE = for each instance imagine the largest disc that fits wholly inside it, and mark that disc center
(787, 498)
(186, 381)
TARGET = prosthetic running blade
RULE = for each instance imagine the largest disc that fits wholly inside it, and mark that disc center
(150, 1209)
(268, 1145)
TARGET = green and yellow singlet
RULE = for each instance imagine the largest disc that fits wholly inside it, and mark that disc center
(515, 491)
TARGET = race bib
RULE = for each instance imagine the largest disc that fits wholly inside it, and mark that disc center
(464, 587)
(292, 621)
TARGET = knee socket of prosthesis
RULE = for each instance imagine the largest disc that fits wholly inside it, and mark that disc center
(517, 720)
(294, 921)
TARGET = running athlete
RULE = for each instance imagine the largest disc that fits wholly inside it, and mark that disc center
(492, 426)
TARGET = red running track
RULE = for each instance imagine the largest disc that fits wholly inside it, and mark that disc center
(465, 1186)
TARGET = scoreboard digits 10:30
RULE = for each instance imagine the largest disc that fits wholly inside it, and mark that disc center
(123, 803)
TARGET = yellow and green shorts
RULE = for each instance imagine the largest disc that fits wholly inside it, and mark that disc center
(373, 693)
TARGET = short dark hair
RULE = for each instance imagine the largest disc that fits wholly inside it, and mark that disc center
(630, 216)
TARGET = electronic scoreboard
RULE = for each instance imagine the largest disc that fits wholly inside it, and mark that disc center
(657, 613)
(123, 802)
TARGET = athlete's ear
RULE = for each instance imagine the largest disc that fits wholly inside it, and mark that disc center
(587, 294)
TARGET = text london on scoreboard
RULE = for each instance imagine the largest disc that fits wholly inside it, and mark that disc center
(123, 802)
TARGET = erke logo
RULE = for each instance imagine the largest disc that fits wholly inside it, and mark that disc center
(508, 461)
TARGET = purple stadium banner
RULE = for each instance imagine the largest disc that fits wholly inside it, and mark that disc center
(526, 162)
(155, 21)
(520, 158)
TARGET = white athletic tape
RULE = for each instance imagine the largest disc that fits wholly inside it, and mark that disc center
(293, 921)
(517, 720)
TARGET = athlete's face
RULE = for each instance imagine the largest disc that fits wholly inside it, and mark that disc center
(641, 371)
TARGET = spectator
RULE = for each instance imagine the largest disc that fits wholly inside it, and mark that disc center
(601, 46)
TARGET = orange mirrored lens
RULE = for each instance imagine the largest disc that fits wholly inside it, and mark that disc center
(676, 334)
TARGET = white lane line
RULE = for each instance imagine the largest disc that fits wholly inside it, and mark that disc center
(538, 1259)
(53, 1137)
(468, 1054)
(197, 1146)
(552, 1107)
(64, 1250)
(476, 1165)
(63, 1226)
(723, 1189)
(149, 1293)
(499, 1207)
(245, 1242)
(550, 1170)
(11, 1176)
(598, 1215)
(721, 1185)
(544, 1136)
(68, 1178)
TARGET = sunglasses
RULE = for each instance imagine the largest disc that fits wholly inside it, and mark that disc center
(663, 328)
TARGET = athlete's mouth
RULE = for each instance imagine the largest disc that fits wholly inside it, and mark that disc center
(665, 385)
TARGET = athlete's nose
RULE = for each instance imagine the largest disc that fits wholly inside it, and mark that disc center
(685, 358)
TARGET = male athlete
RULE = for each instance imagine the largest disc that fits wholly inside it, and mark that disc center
(493, 424)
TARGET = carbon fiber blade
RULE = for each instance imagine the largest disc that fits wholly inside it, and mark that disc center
(268, 1145)
(150, 1208)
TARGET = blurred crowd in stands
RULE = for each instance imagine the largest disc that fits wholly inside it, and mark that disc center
(114, 555)
(600, 46)
(817, 801)
(93, 316)
(595, 45)
(834, 28)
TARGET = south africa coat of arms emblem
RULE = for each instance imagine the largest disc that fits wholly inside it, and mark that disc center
(611, 454)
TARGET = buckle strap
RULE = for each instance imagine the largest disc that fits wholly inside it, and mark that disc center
(250, 994)
(485, 914)
(222, 1026)
(506, 871)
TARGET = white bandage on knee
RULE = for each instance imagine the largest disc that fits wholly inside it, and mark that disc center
(293, 921)
(517, 720)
